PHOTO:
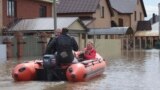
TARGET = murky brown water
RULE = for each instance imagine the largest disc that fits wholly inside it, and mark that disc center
(138, 70)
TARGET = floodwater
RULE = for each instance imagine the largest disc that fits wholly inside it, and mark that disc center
(132, 70)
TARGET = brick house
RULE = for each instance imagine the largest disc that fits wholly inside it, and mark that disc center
(108, 14)
(127, 13)
(94, 13)
(11, 12)
(34, 26)
(130, 13)
(14, 10)
(105, 13)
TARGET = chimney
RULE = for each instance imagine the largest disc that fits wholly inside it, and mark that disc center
(153, 18)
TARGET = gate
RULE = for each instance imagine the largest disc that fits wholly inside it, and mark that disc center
(31, 47)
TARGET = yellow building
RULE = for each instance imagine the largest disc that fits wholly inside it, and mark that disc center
(127, 13)
(93, 13)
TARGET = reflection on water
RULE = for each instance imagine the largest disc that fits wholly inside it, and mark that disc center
(132, 70)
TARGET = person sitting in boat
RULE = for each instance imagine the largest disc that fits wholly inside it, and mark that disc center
(89, 51)
(63, 45)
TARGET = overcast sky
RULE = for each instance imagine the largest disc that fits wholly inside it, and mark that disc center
(151, 7)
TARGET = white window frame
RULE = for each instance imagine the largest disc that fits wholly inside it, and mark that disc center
(10, 8)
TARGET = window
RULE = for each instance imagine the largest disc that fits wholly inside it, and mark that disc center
(135, 15)
(83, 36)
(113, 24)
(43, 11)
(98, 36)
(102, 12)
(106, 36)
(10, 8)
(140, 16)
(90, 36)
(120, 22)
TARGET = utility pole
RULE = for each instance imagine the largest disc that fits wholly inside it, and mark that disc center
(55, 14)
(159, 19)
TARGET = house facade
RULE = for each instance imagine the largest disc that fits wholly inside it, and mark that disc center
(107, 14)
(110, 15)
(127, 13)
(94, 13)
(15, 10)
(102, 16)
(146, 36)
(28, 24)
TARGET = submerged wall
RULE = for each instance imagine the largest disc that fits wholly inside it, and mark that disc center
(107, 48)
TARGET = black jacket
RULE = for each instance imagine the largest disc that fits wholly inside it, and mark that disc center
(63, 45)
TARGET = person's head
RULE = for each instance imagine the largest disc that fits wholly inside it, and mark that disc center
(64, 30)
(58, 32)
(90, 45)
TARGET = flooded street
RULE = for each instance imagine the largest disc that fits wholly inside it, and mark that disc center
(138, 70)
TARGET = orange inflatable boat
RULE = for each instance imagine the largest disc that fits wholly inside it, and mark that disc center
(26, 71)
(46, 70)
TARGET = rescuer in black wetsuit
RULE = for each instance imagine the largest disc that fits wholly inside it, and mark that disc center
(63, 45)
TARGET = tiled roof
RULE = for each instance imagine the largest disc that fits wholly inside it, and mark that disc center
(144, 26)
(126, 6)
(123, 6)
(153, 32)
(77, 6)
